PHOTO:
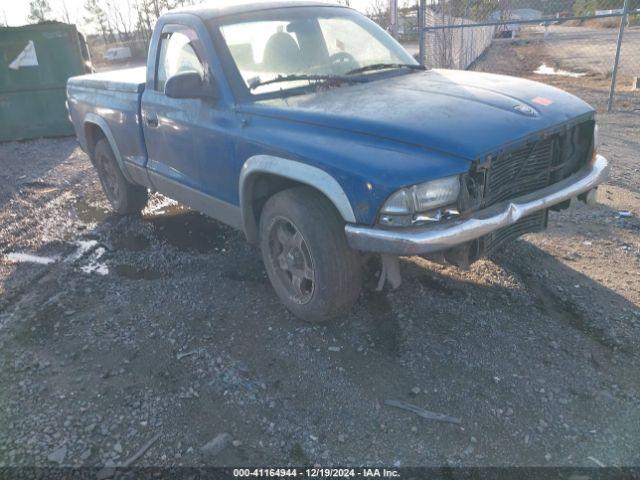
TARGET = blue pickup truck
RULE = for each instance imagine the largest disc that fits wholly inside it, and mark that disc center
(313, 131)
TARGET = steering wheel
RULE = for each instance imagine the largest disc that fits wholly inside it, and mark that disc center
(343, 61)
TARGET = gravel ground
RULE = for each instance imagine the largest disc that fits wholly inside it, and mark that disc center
(164, 327)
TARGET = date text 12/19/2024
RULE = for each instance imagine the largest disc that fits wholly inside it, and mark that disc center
(315, 472)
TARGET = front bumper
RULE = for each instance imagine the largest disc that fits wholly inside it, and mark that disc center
(443, 236)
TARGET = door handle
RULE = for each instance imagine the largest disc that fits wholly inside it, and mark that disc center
(151, 120)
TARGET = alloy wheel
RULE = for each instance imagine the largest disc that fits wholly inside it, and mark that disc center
(291, 260)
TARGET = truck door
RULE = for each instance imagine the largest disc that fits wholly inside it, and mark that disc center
(169, 124)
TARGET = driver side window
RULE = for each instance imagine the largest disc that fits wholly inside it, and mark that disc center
(178, 54)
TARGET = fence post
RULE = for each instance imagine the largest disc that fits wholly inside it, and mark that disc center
(614, 73)
(393, 10)
(421, 39)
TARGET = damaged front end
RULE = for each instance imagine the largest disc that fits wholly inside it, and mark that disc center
(503, 196)
(511, 173)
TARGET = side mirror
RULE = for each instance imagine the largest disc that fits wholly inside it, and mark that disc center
(188, 85)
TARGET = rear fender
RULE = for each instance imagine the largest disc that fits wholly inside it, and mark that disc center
(104, 126)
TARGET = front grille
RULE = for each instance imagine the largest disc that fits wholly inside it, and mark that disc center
(538, 164)
(535, 222)
(520, 172)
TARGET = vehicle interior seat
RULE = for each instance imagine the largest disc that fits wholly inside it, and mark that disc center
(282, 54)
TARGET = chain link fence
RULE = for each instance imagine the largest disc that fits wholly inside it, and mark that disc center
(455, 47)
(589, 47)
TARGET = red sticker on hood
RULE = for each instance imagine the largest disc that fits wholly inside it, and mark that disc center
(545, 102)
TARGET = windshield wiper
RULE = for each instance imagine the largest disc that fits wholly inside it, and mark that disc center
(296, 77)
(383, 66)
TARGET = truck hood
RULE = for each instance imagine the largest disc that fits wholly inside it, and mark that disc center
(460, 113)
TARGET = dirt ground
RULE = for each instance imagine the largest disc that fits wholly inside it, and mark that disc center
(587, 52)
(165, 327)
(592, 50)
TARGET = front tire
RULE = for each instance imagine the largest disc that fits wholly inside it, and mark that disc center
(305, 252)
(125, 197)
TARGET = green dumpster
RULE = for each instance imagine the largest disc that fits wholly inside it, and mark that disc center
(35, 63)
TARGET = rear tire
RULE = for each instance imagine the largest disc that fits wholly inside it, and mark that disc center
(125, 197)
(305, 252)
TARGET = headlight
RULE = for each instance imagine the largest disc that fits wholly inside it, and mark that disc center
(423, 197)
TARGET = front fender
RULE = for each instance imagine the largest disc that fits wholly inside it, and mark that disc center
(293, 170)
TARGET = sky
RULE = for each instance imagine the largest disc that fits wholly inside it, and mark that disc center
(14, 12)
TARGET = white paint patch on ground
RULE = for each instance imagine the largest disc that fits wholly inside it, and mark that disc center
(545, 70)
(83, 246)
(94, 265)
(19, 257)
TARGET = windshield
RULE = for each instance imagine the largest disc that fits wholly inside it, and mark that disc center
(307, 41)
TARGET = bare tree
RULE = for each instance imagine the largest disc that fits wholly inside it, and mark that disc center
(126, 20)
(97, 17)
(144, 20)
(114, 19)
(65, 12)
(148, 11)
(380, 12)
(39, 11)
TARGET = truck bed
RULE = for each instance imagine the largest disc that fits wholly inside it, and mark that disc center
(111, 102)
(130, 80)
